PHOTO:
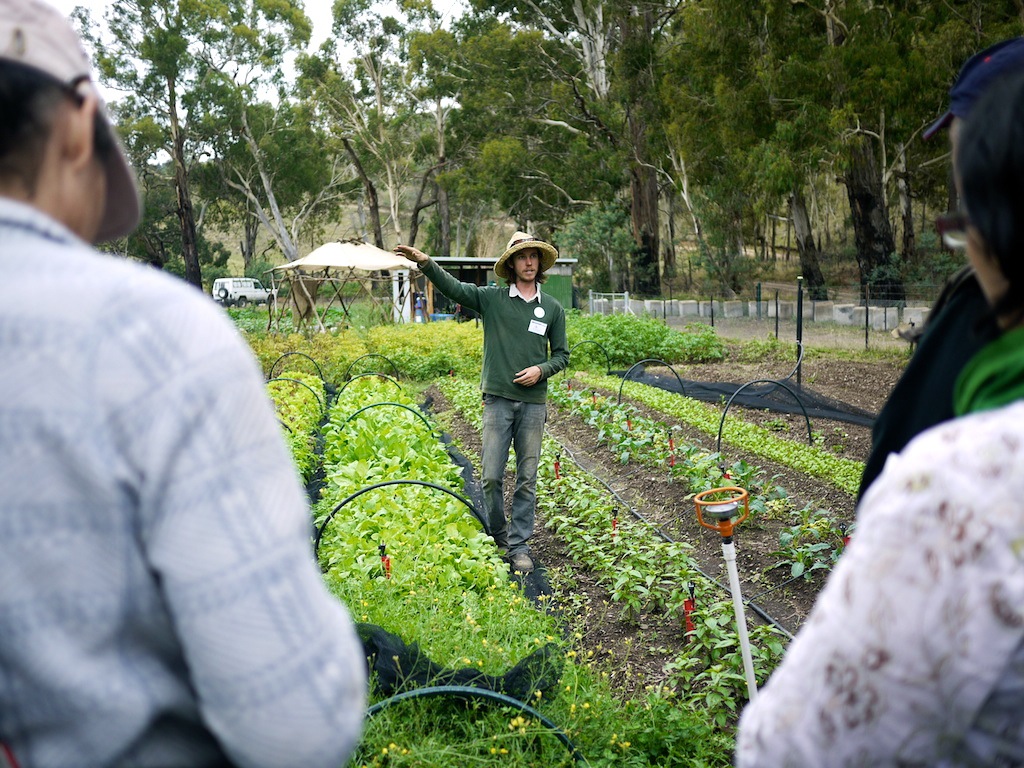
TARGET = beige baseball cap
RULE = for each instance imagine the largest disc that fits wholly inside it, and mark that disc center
(38, 35)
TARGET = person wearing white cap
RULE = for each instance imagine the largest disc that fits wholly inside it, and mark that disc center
(522, 326)
(159, 601)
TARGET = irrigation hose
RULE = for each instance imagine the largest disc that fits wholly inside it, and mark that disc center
(468, 692)
(753, 606)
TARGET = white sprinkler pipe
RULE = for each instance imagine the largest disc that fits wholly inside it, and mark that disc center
(729, 553)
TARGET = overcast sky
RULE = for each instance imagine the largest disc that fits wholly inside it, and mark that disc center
(319, 12)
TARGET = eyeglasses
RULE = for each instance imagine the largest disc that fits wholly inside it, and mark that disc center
(952, 228)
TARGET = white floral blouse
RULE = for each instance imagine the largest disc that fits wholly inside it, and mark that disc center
(914, 652)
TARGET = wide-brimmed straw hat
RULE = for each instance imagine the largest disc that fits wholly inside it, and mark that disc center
(37, 35)
(518, 242)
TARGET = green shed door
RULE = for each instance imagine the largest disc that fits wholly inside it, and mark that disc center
(559, 286)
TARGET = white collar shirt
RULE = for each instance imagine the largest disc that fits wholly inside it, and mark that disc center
(513, 291)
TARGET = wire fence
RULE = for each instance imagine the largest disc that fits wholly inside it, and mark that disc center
(785, 311)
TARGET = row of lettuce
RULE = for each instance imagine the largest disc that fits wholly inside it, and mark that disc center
(444, 586)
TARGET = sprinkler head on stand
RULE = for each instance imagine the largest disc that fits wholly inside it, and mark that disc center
(722, 511)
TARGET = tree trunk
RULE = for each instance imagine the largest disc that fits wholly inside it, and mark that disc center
(908, 242)
(371, 195)
(444, 217)
(669, 266)
(251, 228)
(876, 250)
(419, 206)
(644, 186)
(638, 47)
(679, 165)
(810, 266)
(186, 216)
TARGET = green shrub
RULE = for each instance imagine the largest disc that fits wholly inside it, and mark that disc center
(628, 339)
(332, 352)
(768, 349)
(423, 351)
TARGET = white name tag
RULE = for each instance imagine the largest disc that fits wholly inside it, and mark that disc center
(536, 326)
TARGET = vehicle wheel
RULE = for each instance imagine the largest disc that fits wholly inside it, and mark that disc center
(241, 301)
(223, 293)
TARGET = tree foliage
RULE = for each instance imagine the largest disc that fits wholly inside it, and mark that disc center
(558, 116)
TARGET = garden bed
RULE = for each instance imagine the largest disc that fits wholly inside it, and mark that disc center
(637, 650)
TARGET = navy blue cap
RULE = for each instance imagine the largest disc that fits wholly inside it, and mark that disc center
(976, 75)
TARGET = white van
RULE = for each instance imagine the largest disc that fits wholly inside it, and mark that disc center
(239, 291)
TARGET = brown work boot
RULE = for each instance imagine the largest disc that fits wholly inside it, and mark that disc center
(522, 562)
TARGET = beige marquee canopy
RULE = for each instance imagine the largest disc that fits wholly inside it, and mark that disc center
(330, 268)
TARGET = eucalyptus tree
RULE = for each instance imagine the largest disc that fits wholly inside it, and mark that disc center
(160, 53)
(522, 144)
(604, 57)
(437, 84)
(157, 239)
(797, 92)
(365, 100)
(889, 69)
(716, 115)
(269, 165)
(272, 164)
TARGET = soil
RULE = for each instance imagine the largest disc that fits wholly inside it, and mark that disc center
(637, 651)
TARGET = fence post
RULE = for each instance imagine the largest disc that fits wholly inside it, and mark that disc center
(757, 294)
(799, 323)
(866, 311)
(776, 315)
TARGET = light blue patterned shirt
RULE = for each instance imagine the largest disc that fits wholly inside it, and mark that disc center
(159, 601)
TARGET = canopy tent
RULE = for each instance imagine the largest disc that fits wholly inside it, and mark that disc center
(333, 265)
(349, 255)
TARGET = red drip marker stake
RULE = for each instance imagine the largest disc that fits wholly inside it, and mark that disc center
(629, 424)
(451, 372)
(593, 397)
(671, 451)
(615, 523)
(385, 562)
(558, 466)
(689, 604)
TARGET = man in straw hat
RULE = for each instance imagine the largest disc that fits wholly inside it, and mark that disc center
(159, 603)
(521, 325)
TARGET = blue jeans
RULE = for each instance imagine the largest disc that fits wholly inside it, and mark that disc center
(521, 425)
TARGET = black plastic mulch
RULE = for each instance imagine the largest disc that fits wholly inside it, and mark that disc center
(783, 396)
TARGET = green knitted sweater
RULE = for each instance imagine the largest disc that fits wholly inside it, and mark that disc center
(517, 334)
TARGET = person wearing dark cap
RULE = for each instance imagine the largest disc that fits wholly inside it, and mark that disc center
(914, 651)
(959, 322)
(159, 601)
(522, 326)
